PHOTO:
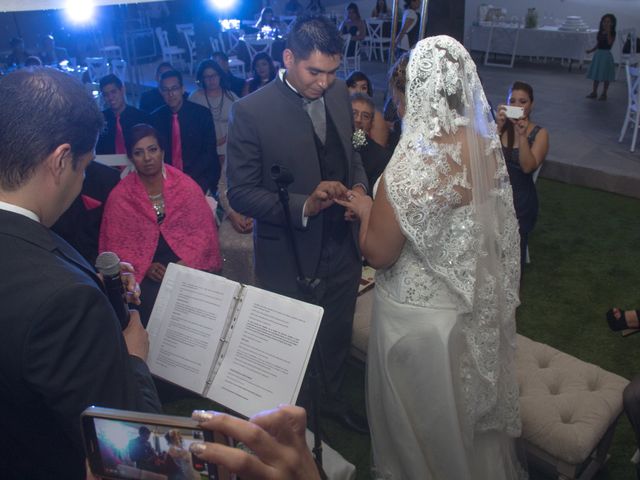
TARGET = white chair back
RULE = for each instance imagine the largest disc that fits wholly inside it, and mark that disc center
(170, 53)
(374, 40)
(97, 67)
(233, 37)
(112, 52)
(288, 19)
(257, 45)
(633, 104)
(236, 67)
(350, 59)
(189, 37)
(631, 56)
(216, 44)
(119, 69)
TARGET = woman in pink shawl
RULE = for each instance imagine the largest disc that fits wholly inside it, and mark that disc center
(156, 216)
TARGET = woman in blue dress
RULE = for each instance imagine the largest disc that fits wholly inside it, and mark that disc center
(525, 146)
(602, 67)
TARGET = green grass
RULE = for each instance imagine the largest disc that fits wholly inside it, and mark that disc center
(585, 258)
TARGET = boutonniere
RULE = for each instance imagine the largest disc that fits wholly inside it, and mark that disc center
(359, 139)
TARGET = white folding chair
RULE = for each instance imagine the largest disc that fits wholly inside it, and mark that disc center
(631, 57)
(112, 52)
(119, 69)
(374, 40)
(633, 99)
(527, 257)
(287, 19)
(233, 39)
(236, 67)
(351, 62)
(257, 45)
(97, 67)
(170, 53)
(189, 37)
(216, 45)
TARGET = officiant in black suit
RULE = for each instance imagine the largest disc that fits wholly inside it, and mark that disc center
(63, 347)
(302, 121)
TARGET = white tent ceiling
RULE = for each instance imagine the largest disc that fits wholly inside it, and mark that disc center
(26, 5)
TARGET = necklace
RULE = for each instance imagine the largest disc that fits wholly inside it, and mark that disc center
(215, 110)
(157, 202)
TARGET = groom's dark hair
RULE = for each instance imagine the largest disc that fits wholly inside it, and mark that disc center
(314, 32)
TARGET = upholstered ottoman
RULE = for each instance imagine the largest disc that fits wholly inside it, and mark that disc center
(569, 410)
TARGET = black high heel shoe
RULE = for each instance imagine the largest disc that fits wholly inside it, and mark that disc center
(618, 324)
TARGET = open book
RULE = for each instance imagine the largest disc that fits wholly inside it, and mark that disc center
(240, 346)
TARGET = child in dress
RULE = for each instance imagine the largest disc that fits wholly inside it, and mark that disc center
(602, 68)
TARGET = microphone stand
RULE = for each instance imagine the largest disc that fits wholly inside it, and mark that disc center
(309, 287)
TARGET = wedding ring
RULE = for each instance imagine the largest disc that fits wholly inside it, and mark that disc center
(351, 197)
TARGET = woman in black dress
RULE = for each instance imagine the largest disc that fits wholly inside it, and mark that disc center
(525, 146)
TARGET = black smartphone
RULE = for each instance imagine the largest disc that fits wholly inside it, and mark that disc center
(122, 444)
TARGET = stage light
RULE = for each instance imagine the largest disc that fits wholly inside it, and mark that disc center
(222, 5)
(79, 11)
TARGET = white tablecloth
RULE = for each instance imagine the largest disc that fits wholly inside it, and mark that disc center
(536, 42)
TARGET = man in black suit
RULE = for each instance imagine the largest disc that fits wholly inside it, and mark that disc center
(189, 132)
(63, 347)
(119, 116)
(302, 121)
(374, 156)
(152, 99)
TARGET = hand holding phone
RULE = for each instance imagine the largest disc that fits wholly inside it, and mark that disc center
(514, 113)
(122, 444)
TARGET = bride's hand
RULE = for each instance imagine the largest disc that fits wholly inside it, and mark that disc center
(358, 204)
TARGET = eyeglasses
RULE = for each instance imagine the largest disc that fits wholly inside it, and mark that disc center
(174, 89)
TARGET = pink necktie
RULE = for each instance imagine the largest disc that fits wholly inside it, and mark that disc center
(176, 143)
(120, 147)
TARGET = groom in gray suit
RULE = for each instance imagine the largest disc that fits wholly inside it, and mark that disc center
(302, 121)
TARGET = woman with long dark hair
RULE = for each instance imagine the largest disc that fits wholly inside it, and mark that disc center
(263, 70)
(602, 68)
(215, 95)
(525, 146)
(380, 10)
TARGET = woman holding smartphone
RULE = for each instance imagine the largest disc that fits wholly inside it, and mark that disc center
(525, 146)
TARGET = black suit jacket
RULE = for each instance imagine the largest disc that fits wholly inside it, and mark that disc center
(62, 351)
(198, 137)
(128, 118)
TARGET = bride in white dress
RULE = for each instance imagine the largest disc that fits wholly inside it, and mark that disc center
(442, 397)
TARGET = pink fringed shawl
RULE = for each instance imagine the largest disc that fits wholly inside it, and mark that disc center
(130, 228)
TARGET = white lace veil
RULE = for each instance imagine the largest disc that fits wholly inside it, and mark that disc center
(449, 187)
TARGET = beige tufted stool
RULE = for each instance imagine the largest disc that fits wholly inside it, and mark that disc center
(569, 410)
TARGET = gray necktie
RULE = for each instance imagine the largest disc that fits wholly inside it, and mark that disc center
(315, 110)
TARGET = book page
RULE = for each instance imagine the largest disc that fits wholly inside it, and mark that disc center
(187, 323)
(268, 352)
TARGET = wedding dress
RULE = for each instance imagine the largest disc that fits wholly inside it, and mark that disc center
(442, 397)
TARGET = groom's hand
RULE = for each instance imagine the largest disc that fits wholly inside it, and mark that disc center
(323, 197)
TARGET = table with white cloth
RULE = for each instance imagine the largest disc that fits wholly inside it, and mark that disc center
(544, 42)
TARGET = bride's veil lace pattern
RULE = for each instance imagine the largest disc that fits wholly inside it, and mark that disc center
(449, 187)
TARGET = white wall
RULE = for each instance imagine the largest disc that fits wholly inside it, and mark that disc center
(626, 11)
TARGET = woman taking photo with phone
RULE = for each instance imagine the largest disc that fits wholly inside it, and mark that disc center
(525, 146)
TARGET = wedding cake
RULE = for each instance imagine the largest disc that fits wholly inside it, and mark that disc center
(573, 24)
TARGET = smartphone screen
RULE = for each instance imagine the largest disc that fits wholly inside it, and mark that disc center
(128, 449)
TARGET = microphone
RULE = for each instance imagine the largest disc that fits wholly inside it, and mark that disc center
(281, 175)
(108, 264)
